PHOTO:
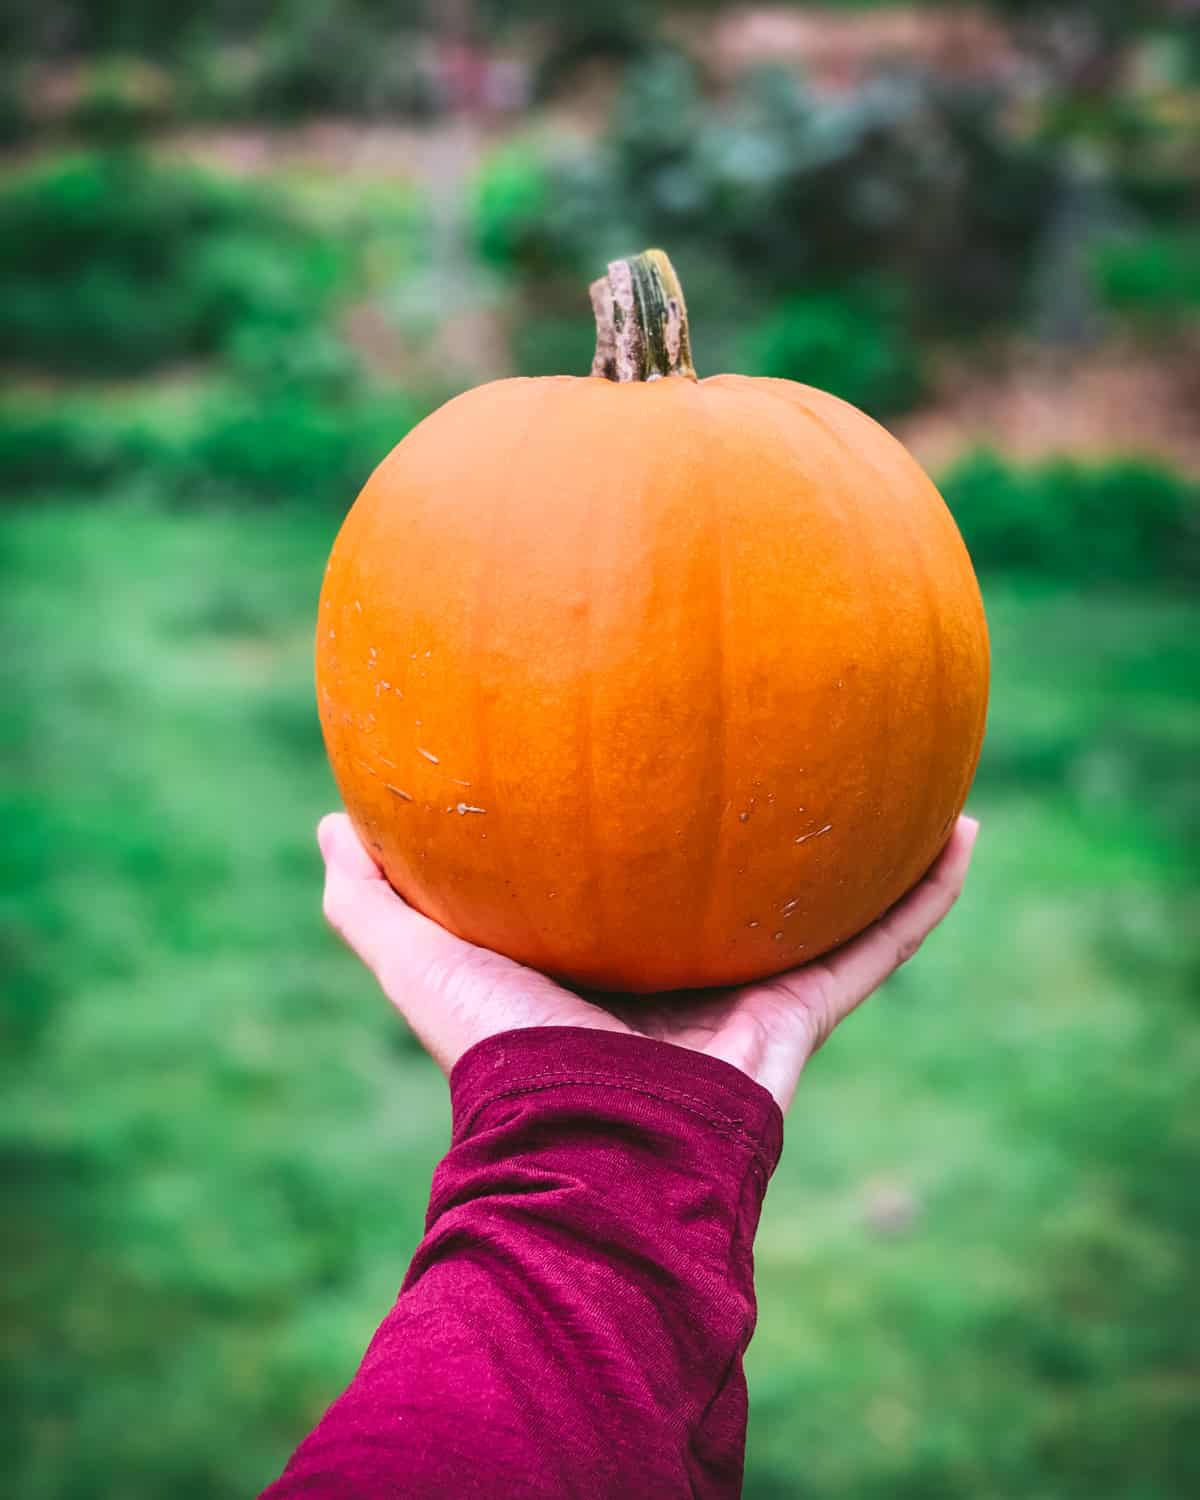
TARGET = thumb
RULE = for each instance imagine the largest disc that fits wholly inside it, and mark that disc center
(419, 965)
(390, 937)
(342, 849)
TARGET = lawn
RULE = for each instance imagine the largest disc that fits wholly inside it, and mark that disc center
(977, 1266)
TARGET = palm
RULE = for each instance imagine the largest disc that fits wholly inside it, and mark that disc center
(755, 1027)
(454, 994)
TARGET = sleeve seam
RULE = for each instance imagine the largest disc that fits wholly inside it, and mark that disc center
(726, 1125)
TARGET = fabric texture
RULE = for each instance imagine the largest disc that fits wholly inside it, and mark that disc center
(574, 1320)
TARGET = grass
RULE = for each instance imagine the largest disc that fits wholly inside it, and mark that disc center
(977, 1268)
(179, 1020)
(1027, 1090)
(216, 1140)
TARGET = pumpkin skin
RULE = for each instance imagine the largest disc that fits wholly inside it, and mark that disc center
(652, 685)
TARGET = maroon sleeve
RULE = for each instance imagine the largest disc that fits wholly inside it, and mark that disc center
(573, 1322)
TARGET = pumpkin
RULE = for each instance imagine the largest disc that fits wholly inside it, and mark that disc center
(646, 681)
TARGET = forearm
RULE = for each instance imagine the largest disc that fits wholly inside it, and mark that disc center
(574, 1321)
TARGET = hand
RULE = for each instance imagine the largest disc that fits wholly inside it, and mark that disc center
(454, 994)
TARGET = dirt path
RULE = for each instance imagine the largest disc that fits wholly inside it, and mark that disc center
(1119, 398)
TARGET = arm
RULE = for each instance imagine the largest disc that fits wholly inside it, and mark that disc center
(574, 1321)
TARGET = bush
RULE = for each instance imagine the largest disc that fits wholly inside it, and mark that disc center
(119, 97)
(1130, 521)
(605, 31)
(554, 345)
(325, 56)
(274, 444)
(110, 263)
(291, 446)
(907, 179)
(72, 444)
(15, 121)
(1154, 275)
(512, 200)
(856, 345)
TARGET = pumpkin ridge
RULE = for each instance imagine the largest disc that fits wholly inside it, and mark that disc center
(932, 596)
(919, 807)
(888, 696)
(796, 398)
(715, 864)
(480, 633)
(919, 811)
(587, 766)
(755, 389)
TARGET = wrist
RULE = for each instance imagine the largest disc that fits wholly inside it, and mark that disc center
(707, 1091)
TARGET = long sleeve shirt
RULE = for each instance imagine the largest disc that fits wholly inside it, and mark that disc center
(573, 1322)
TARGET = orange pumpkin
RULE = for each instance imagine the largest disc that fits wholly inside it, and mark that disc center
(651, 682)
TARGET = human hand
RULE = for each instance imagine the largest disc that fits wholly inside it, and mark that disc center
(453, 994)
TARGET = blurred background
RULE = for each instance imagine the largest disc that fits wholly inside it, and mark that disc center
(243, 248)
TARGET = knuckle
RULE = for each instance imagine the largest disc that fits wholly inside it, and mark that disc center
(909, 948)
(949, 888)
(817, 1014)
(823, 991)
(906, 947)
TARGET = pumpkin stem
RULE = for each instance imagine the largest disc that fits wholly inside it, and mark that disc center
(641, 320)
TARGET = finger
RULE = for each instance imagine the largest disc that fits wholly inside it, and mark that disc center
(341, 846)
(450, 992)
(394, 941)
(858, 969)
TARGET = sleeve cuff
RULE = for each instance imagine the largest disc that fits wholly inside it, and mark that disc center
(537, 1058)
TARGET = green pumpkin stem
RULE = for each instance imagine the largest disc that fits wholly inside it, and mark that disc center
(641, 320)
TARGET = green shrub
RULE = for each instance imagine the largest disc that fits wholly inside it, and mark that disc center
(607, 31)
(512, 200)
(1130, 520)
(856, 345)
(219, 82)
(111, 263)
(15, 122)
(327, 56)
(273, 443)
(73, 444)
(120, 97)
(554, 345)
(1153, 275)
(291, 446)
(906, 179)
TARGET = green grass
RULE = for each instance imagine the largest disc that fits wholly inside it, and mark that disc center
(1029, 1087)
(216, 1140)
